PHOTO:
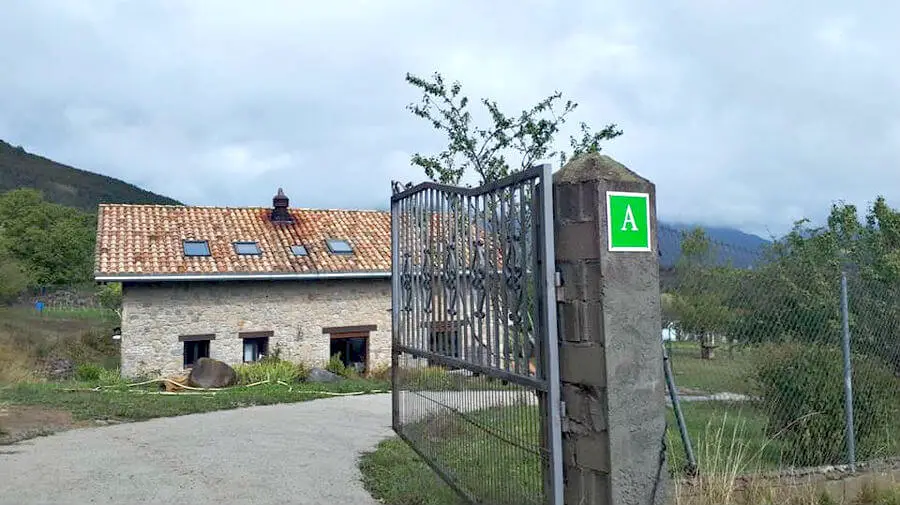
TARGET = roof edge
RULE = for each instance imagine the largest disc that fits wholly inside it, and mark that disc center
(375, 274)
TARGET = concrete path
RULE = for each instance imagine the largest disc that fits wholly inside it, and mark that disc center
(301, 453)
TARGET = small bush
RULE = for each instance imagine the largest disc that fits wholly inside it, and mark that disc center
(380, 373)
(270, 369)
(88, 372)
(802, 389)
(112, 377)
(337, 367)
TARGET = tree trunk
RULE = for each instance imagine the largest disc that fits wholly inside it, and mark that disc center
(707, 346)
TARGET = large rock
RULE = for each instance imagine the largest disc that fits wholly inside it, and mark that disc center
(321, 375)
(211, 373)
(60, 369)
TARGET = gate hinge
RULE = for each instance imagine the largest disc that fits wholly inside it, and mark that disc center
(560, 291)
(562, 409)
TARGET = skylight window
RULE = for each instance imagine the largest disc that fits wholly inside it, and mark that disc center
(196, 248)
(298, 250)
(339, 246)
(245, 248)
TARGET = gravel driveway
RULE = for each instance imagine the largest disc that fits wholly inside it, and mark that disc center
(301, 453)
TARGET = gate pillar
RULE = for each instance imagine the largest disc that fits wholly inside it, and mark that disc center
(611, 364)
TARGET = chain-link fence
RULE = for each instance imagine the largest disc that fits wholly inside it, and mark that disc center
(784, 355)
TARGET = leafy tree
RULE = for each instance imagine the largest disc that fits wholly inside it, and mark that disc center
(52, 242)
(110, 296)
(794, 294)
(486, 150)
(700, 301)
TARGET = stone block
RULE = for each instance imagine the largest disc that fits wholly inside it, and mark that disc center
(578, 241)
(583, 364)
(586, 487)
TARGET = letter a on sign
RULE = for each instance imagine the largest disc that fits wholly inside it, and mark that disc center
(629, 224)
(628, 221)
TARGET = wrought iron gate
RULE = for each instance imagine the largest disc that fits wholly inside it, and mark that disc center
(475, 359)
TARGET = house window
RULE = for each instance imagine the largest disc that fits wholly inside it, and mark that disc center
(298, 250)
(196, 248)
(247, 248)
(256, 345)
(195, 347)
(351, 345)
(338, 246)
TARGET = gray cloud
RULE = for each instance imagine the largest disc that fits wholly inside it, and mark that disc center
(750, 114)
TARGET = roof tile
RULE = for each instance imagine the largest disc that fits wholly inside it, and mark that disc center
(147, 239)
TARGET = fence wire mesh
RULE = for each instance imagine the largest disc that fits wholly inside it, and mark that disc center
(756, 339)
(483, 435)
(474, 346)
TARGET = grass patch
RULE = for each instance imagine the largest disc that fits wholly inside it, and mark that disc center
(716, 426)
(728, 371)
(396, 475)
(497, 472)
(28, 338)
(128, 404)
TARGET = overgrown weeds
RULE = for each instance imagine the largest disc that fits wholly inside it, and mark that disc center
(272, 370)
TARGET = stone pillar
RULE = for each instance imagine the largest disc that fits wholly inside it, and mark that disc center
(611, 364)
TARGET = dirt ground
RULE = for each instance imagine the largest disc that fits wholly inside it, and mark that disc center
(20, 422)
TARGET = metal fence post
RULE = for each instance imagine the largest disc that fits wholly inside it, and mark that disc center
(848, 380)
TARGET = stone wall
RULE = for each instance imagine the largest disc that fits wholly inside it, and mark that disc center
(155, 315)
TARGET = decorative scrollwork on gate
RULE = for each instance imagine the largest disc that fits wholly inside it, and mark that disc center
(450, 278)
(479, 275)
(406, 283)
(427, 297)
(513, 273)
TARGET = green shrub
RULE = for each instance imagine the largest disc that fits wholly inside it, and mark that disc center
(271, 369)
(88, 372)
(112, 377)
(802, 389)
(337, 367)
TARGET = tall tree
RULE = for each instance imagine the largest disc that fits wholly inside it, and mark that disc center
(510, 142)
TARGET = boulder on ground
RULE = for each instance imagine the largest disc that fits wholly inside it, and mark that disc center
(322, 375)
(211, 373)
(60, 369)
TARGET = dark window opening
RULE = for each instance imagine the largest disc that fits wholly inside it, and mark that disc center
(255, 348)
(196, 248)
(194, 350)
(337, 246)
(298, 250)
(352, 349)
(247, 248)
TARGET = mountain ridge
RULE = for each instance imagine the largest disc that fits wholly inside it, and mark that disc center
(68, 185)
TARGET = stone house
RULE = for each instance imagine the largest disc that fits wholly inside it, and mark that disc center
(236, 284)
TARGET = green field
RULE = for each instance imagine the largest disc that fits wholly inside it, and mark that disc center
(729, 371)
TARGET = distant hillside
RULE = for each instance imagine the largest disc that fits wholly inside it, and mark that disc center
(734, 246)
(67, 185)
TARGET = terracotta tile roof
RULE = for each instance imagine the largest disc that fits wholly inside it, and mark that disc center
(139, 240)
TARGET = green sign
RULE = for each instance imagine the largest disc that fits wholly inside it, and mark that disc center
(629, 221)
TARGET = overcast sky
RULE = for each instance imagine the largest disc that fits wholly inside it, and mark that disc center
(744, 113)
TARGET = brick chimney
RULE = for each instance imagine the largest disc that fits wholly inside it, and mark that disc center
(280, 208)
